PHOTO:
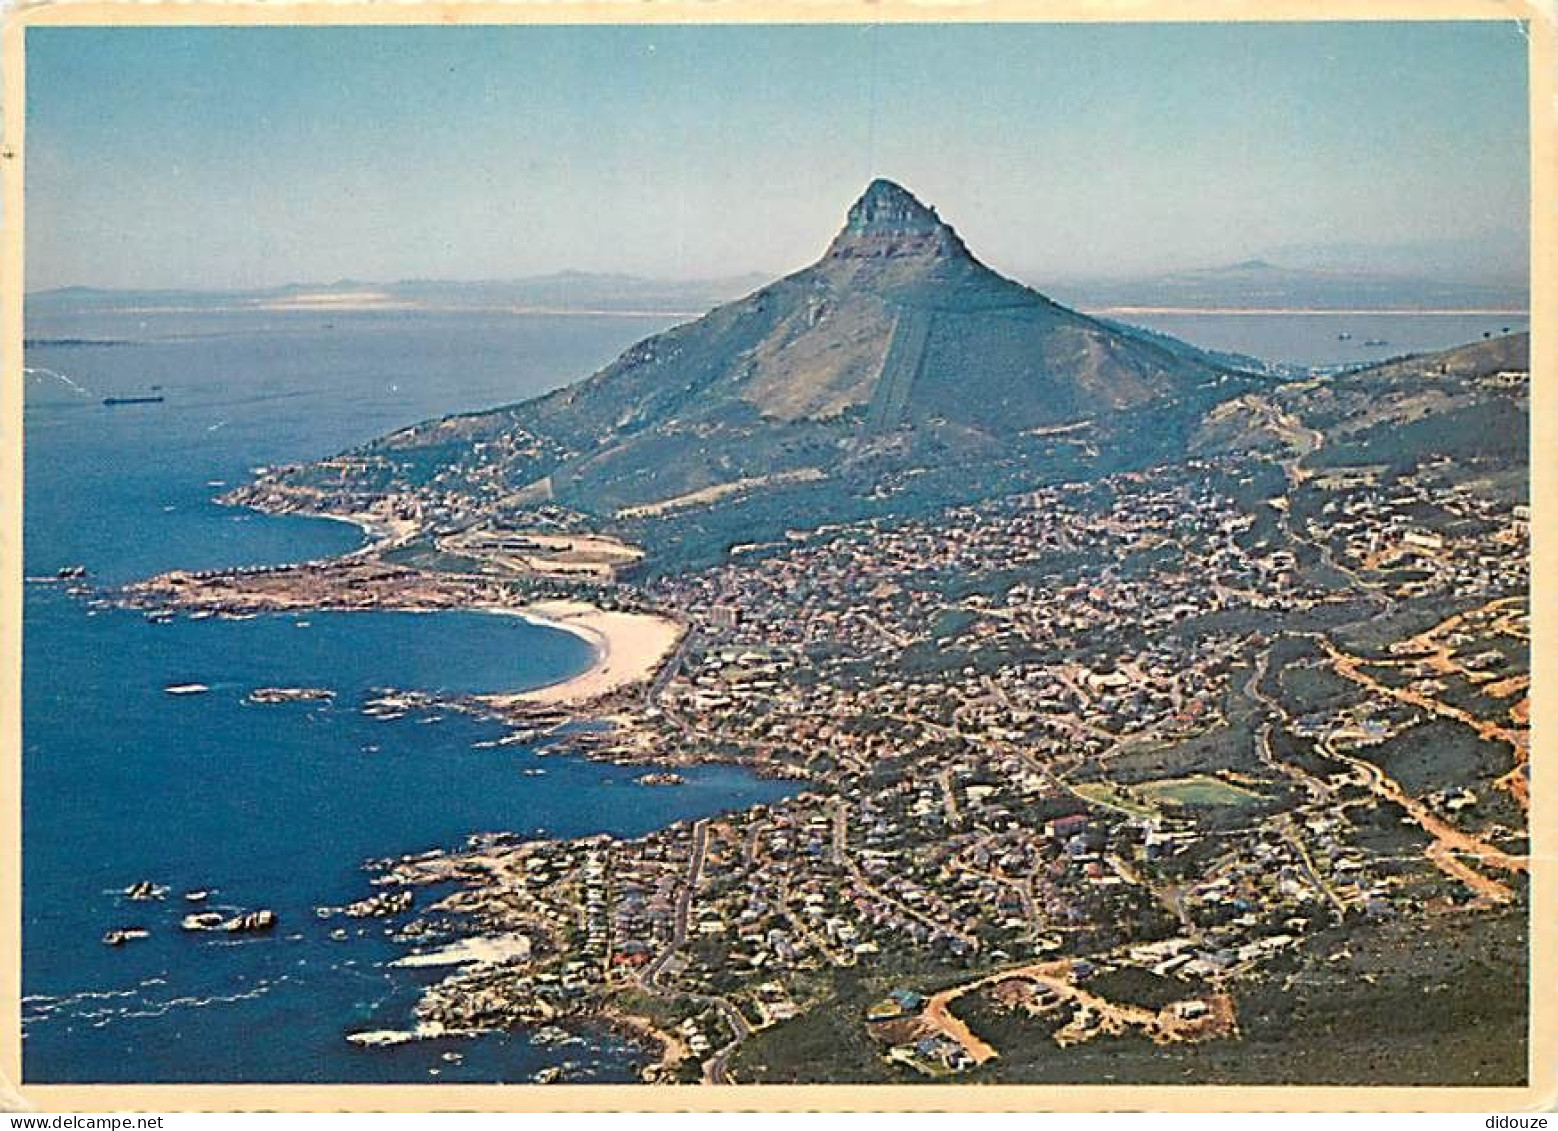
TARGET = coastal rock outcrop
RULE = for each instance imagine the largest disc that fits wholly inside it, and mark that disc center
(251, 921)
(121, 935)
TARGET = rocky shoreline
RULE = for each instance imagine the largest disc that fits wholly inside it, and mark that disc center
(495, 987)
(512, 963)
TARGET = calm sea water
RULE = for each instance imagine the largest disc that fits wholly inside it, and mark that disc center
(1326, 339)
(269, 805)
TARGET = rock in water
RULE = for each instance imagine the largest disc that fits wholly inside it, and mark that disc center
(382, 904)
(251, 921)
(665, 777)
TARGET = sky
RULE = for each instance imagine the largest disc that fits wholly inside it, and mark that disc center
(229, 158)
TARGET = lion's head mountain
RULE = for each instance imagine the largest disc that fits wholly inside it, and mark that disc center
(895, 365)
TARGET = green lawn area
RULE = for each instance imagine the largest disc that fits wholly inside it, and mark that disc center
(1198, 789)
(1106, 793)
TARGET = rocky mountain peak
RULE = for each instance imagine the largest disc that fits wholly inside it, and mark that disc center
(890, 222)
(897, 351)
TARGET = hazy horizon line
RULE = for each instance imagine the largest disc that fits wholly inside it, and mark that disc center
(1380, 275)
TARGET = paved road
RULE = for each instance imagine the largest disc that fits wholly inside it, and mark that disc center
(716, 1070)
(840, 831)
(668, 669)
(700, 844)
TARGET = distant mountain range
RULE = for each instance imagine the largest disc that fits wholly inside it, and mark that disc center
(1256, 284)
(565, 291)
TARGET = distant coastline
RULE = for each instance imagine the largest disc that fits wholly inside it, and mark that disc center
(389, 304)
(1314, 312)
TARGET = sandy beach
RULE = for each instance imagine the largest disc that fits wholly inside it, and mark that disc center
(629, 648)
(377, 531)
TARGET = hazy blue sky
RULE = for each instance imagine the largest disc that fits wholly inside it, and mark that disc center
(243, 157)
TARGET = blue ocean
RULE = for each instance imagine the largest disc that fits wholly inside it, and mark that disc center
(269, 805)
(1330, 339)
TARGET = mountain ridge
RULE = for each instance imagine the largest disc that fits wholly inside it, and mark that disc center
(896, 350)
(1261, 284)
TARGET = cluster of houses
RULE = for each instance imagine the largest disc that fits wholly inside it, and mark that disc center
(956, 691)
(1424, 535)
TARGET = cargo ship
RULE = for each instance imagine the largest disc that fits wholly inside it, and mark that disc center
(132, 400)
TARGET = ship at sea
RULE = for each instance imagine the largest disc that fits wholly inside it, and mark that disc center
(154, 399)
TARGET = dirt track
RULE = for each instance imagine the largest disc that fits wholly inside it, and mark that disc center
(1162, 1026)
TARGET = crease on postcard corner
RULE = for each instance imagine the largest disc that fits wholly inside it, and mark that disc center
(1544, 10)
(10, 1098)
